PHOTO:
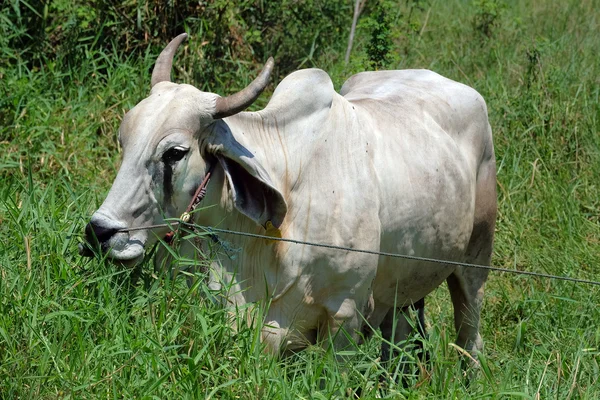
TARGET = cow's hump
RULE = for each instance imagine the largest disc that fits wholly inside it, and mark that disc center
(302, 93)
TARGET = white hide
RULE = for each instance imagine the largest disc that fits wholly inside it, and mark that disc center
(399, 162)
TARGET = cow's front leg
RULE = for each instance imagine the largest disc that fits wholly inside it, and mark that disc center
(282, 334)
(274, 336)
(343, 324)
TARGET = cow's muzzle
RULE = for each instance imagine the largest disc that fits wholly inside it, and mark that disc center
(97, 237)
(106, 236)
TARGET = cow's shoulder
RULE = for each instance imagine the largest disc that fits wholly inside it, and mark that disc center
(304, 92)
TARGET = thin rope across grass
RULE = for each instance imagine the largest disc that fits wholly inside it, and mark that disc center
(212, 230)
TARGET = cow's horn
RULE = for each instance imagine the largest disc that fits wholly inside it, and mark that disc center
(235, 103)
(164, 62)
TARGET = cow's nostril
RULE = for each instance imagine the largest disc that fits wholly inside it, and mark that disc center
(98, 233)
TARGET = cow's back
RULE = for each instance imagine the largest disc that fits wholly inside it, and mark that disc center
(414, 93)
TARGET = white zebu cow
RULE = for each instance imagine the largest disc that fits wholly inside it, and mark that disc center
(399, 161)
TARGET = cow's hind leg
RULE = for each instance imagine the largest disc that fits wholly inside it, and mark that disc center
(466, 284)
(397, 328)
(466, 290)
(404, 327)
(419, 307)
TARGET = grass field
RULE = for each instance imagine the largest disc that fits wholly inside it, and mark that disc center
(76, 328)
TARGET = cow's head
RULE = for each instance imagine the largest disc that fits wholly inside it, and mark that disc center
(169, 141)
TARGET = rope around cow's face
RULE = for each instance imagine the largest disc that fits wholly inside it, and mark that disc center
(196, 199)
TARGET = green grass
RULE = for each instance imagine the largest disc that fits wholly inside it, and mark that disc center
(76, 328)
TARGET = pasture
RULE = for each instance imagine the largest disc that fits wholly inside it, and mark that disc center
(77, 328)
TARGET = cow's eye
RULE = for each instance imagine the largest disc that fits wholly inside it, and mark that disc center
(174, 154)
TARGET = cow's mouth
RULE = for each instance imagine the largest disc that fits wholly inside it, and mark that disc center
(131, 251)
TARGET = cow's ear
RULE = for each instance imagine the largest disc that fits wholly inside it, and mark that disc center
(254, 195)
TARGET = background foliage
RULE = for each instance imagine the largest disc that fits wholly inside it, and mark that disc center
(76, 328)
